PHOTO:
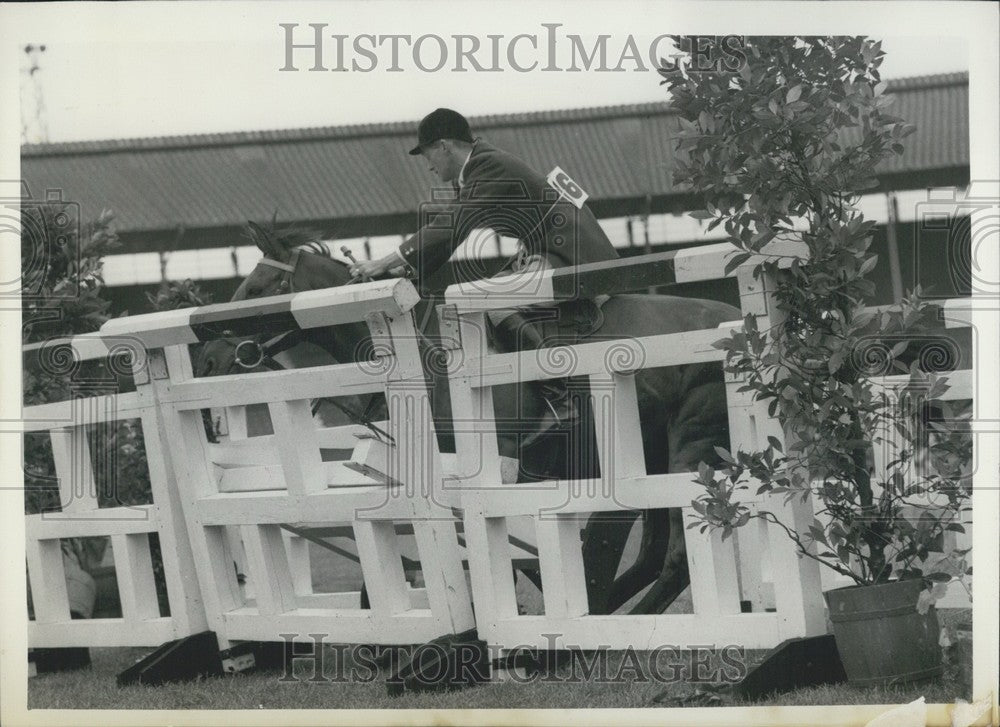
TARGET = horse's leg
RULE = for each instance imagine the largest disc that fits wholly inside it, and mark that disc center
(604, 540)
(700, 424)
(648, 564)
(674, 576)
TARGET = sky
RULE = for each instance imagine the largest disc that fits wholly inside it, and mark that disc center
(122, 88)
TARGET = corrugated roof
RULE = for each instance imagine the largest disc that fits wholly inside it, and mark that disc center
(362, 172)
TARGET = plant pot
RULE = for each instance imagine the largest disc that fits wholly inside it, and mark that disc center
(881, 637)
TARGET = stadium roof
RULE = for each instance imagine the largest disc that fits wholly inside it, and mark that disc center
(358, 180)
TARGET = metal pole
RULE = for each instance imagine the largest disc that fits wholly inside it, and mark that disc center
(895, 270)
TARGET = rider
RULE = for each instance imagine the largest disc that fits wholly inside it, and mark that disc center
(493, 189)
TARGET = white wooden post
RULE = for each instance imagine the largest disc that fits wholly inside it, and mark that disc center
(797, 588)
(487, 545)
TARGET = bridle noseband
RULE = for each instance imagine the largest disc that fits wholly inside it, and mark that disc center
(287, 284)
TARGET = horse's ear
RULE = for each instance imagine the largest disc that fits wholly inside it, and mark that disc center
(267, 243)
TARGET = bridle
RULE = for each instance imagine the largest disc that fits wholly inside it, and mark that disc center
(252, 353)
(287, 283)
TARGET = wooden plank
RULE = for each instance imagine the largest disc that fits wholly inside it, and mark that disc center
(241, 451)
(446, 590)
(332, 505)
(299, 562)
(85, 347)
(106, 632)
(154, 330)
(184, 596)
(47, 576)
(134, 573)
(478, 459)
(314, 308)
(263, 478)
(593, 495)
(669, 349)
(272, 386)
(330, 601)
(961, 384)
(712, 568)
(382, 566)
(236, 422)
(224, 553)
(752, 551)
(106, 521)
(491, 573)
(268, 565)
(560, 556)
(71, 455)
(82, 412)
(615, 405)
(705, 262)
(298, 451)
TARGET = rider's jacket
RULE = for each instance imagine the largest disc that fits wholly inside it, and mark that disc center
(499, 191)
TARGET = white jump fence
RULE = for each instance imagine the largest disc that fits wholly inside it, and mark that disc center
(759, 564)
(128, 527)
(257, 501)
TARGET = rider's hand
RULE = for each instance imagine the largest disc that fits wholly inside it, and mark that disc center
(374, 268)
(367, 269)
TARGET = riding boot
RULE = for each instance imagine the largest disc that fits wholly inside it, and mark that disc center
(518, 333)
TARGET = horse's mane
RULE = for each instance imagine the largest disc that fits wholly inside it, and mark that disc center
(288, 238)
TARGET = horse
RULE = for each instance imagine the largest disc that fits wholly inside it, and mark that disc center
(683, 405)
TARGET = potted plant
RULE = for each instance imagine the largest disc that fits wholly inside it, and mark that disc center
(782, 146)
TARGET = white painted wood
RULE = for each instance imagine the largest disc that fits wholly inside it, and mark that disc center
(154, 330)
(71, 455)
(446, 590)
(350, 304)
(299, 563)
(101, 632)
(134, 573)
(298, 450)
(106, 521)
(752, 553)
(271, 386)
(668, 349)
(79, 412)
(262, 478)
(274, 590)
(506, 291)
(236, 422)
(47, 576)
(382, 566)
(581, 496)
(86, 346)
(187, 608)
(615, 405)
(560, 556)
(225, 552)
(712, 569)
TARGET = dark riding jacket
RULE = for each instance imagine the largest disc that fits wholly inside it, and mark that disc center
(501, 192)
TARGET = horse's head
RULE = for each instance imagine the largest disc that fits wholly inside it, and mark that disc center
(293, 261)
(228, 356)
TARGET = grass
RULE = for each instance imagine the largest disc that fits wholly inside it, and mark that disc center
(95, 688)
